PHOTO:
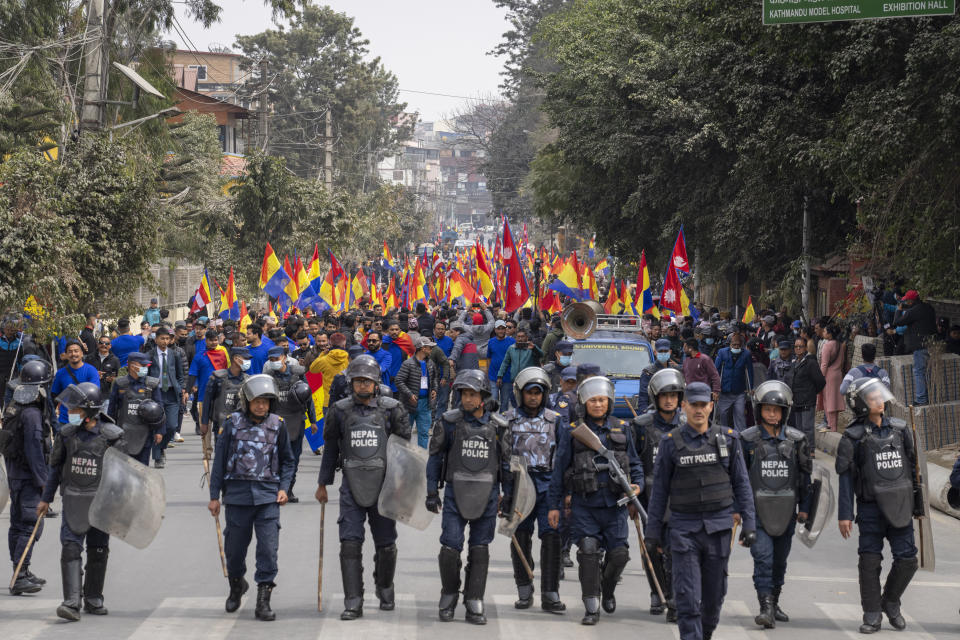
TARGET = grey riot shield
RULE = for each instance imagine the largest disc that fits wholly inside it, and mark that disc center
(822, 504)
(130, 500)
(773, 476)
(4, 488)
(524, 497)
(923, 533)
(404, 490)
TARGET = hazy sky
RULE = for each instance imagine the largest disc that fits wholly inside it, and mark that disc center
(436, 46)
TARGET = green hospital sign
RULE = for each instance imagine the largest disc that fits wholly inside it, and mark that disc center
(792, 11)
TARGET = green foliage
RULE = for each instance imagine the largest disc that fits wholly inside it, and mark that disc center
(668, 113)
(81, 233)
(316, 63)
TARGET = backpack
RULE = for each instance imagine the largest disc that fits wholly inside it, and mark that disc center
(11, 434)
(867, 373)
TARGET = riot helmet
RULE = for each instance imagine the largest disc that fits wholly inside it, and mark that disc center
(473, 379)
(773, 392)
(364, 367)
(666, 380)
(595, 386)
(36, 371)
(85, 395)
(261, 385)
(150, 412)
(301, 391)
(864, 392)
(531, 376)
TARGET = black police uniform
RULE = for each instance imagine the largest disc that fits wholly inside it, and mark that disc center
(649, 430)
(469, 455)
(252, 463)
(780, 466)
(706, 481)
(355, 439)
(125, 397)
(534, 438)
(597, 523)
(76, 465)
(293, 411)
(26, 463)
(877, 464)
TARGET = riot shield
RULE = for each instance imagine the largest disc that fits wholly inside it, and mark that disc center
(922, 531)
(404, 491)
(524, 497)
(822, 505)
(4, 487)
(130, 500)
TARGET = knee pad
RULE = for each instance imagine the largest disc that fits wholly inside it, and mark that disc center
(617, 557)
(351, 549)
(71, 551)
(591, 545)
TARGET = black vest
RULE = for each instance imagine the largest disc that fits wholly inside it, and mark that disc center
(82, 469)
(584, 476)
(226, 401)
(135, 430)
(363, 450)
(700, 481)
(775, 477)
(885, 472)
(473, 463)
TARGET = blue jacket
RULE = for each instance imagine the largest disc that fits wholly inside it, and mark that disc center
(258, 355)
(385, 360)
(397, 356)
(124, 345)
(446, 345)
(496, 351)
(34, 466)
(200, 369)
(734, 370)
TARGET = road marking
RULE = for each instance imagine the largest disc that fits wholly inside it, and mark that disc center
(849, 617)
(401, 623)
(515, 624)
(850, 580)
(26, 617)
(188, 618)
(740, 609)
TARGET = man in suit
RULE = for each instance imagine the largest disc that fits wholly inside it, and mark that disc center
(167, 366)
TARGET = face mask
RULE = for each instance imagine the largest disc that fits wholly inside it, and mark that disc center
(564, 360)
(245, 366)
(228, 342)
(663, 356)
(153, 336)
(76, 419)
(708, 340)
(735, 351)
(274, 365)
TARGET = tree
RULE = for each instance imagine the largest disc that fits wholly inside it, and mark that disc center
(315, 64)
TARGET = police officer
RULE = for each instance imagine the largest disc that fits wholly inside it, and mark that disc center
(223, 388)
(26, 421)
(252, 471)
(563, 356)
(664, 392)
(76, 465)
(355, 434)
(294, 403)
(564, 401)
(467, 453)
(700, 469)
(597, 522)
(532, 435)
(779, 463)
(876, 461)
(135, 407)
(663, 355)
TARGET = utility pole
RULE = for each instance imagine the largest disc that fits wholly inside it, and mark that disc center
(95, 62)
(262, 109)
(328, 151)
(805, 291)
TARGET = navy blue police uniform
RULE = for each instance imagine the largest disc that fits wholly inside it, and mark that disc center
(291, 408)
(223, 389)
(126, 394)
(705, 479)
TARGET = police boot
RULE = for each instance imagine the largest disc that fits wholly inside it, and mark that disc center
(71, 570)
(93, 582)
(32, 577)
(897, 580)
(520, 575)
(613, 565)
(263, 610)
(384, 568)
(656, 604)
(475, 579)
(565, 558)
(238, 587)
(351, 568)
(550, 568)
(870, 599)
(767, 618)
(588, 561)
(449, 559)
(23, 584)
(778, 614)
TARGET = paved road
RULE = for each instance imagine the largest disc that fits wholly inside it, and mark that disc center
(175, 589)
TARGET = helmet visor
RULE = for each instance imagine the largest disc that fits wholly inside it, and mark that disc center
(73, 397)
(875, 395)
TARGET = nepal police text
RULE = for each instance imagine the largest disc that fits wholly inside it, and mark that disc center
(364, 439)
(889, 460)
(774, 469)
(83, 467)
(474, 449)
(700, 458)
